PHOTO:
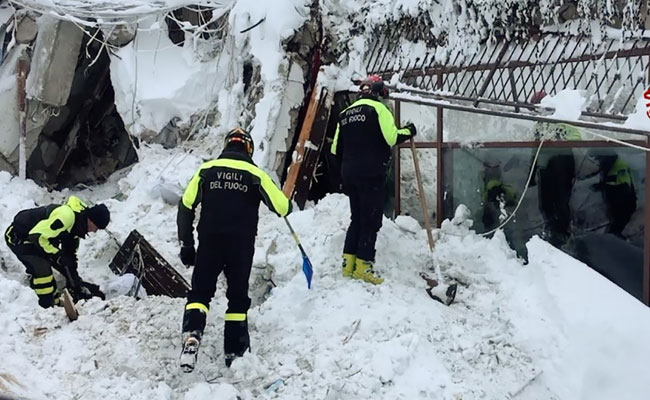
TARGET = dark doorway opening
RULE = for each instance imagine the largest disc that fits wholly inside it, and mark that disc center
(85, 140)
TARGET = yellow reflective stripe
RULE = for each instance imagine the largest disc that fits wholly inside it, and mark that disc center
(46, 290)
(279, 202)
(278, 199)
(8, 234)
(492, 183)
(192, 189)
(45, 279)
(235, 317)
(620, 172)
(197, 306)
(387, 124)
(336, 140)
(386, 120)
(43, 228)
(75, 204)
(570, 131)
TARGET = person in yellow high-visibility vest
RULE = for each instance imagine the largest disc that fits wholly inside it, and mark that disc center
(48, 237)
(364, 137)
(556, 174)
(229, 190)
(618, 190)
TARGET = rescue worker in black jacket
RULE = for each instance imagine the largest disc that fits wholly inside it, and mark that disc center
(363, 139)
(618, 190)
(229, 190)
(48, 237)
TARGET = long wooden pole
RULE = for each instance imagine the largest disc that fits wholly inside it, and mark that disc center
(299, 152)
(22, 106)
(423, 200)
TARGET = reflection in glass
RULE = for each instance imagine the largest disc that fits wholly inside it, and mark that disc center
(585, 201)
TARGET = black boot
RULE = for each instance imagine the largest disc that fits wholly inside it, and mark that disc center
(235, 340)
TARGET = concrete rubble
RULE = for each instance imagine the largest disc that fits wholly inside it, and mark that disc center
(68, 97)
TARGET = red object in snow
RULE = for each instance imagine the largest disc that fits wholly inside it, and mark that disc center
(537, 97)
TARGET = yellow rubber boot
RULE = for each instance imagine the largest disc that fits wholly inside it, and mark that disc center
(363, 270)
(348, 264)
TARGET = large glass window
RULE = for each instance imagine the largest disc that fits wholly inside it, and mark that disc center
(409, 198)
(586, 201)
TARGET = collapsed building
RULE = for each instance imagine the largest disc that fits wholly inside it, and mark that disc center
(472, 79)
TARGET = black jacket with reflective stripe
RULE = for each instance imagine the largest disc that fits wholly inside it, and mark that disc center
(365, 133)
(61, 231)
(229, 190)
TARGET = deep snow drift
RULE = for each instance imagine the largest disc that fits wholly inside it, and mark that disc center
(552, 329)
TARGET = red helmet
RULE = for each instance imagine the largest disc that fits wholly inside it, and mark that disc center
(373, 85)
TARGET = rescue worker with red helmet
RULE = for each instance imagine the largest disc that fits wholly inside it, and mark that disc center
(365, 133)
(48, 237)
(229, 190)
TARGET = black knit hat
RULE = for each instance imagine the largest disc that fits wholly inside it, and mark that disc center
(99, 214)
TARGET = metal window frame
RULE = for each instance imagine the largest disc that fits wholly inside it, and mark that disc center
(439, 145)
(500, 78)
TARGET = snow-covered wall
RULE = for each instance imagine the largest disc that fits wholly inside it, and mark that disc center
(157, 81)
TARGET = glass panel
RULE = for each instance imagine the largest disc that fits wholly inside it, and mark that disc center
(409, 200)
(463, 127)
(586, 201)
(424, 118)
(466, 127)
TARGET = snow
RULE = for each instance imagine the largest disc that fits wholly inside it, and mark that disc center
(639, 119)
(112, 9)
(568, 104)
(552, 329)
(156, 81)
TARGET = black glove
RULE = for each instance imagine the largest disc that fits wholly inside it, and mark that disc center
(67, 261)
(188, 255)
(67, 265)
(411, 129)
(86, 290)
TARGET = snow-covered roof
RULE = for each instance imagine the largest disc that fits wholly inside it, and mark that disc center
(112, 9)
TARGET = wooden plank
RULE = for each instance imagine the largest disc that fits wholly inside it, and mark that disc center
(299, 152)
(138, 257)
(312, 152)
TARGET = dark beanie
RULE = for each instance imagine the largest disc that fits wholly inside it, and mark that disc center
(99, 214)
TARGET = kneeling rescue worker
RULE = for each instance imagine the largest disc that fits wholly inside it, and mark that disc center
(363, 139)
(48, 237)
(229, 190)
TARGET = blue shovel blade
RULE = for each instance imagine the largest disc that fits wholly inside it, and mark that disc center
(307, 270)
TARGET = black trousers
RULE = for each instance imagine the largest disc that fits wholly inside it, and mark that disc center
(232, 254)
(621, 204)
(556, 183)
(38, 266)
(367, 195)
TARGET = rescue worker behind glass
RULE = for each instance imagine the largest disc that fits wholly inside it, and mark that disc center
(48, 237)
(229, 190)
(556, 170)
(363, 139)
(618, 190)
(497, 195)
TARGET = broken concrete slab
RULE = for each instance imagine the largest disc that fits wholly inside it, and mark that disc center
(10, 121)
(54, 62)
(26, 27)
(84, 140)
